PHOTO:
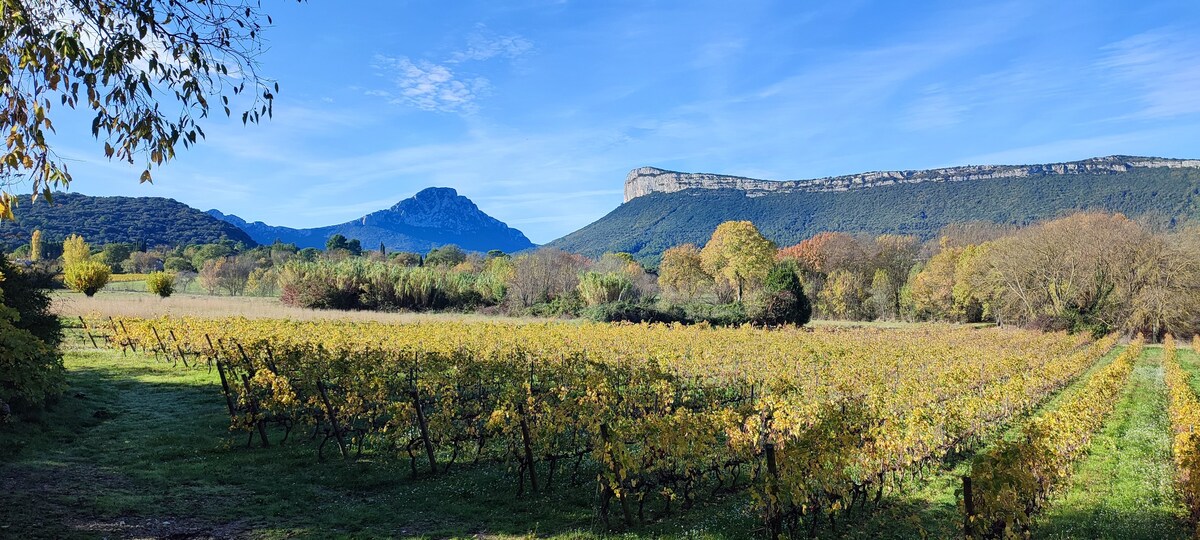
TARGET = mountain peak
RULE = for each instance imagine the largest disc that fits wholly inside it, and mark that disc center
(434, 208)
(433, 217)
(436, 192)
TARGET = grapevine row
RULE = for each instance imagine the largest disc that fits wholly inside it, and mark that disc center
(1012, 479)
(810, 421)
(1184, 410)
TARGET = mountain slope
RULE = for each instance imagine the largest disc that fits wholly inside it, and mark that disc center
(664, 208)
(100, 220)
(433, 217)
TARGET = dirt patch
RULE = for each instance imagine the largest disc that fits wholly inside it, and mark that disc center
(48, 480)
(62, 492)
(164, 527)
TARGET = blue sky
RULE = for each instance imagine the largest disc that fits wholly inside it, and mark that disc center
(537, 110)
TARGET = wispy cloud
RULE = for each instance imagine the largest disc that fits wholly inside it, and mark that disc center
(429, 86)
(936, 108)
(1164, 64)
(484, 44)
(434, 86)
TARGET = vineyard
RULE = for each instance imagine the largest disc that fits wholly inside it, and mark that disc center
(812, 424)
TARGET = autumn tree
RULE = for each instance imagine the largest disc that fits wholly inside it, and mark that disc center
(892, 256)
(145, 70)
(230, 274)
(86, 276)
(626, 268)
(826, 252)
(160, 283)
(884, 296)
(35, 246)
(75, 249)
(971, 233)
(843, 295)
(945, 289)
(1079, 271)
(681, 273)
(738, 254)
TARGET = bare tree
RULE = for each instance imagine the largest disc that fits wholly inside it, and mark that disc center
(544, 275)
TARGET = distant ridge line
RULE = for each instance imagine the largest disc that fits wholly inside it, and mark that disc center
(646, 180)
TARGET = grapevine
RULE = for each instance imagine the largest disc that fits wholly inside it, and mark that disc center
(811, 422)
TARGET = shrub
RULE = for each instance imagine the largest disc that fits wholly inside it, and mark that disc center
(178, 264)
(363, 284)
(566, 305)
(597, 288)
(732, 314)
(86, 277)
(634, 312)
(31, 369)
(782, 300)
(160, 283)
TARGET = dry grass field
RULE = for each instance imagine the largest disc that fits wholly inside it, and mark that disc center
(134, 304)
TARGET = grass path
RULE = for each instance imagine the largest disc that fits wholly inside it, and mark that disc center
(1123, 488)
(927, 506)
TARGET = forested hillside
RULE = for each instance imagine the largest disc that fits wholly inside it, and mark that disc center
(649, 224)
(152, 221)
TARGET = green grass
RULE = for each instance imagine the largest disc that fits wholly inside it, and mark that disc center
(926, 506)
(1123, 488)
(137, 448)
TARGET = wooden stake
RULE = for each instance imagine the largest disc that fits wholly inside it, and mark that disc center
(533, 481)
(129, 339)
(224, 381)
(89, 332)
(161, 346)
(337, 430)
(178, 349)
(262, 428)
(969, 504)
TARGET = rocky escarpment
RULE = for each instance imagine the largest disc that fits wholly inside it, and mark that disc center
(647, 180)
(666, 209)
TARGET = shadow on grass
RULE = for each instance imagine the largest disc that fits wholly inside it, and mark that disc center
(1106, 522)
(141, 449)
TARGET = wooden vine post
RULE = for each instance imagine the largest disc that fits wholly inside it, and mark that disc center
(167, 355)
(258, 422)
(422, 424)
(128, 339)
(525, 437)
(179, 349)
(253, 403)
(88, 331)
(224, 380)
(774, 506)
(333, 421)
(120, 342)
(619, 490)
(969, 506)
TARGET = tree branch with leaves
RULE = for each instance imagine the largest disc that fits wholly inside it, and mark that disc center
(147, 70)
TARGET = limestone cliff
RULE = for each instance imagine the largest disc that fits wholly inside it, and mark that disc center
(647, 180)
